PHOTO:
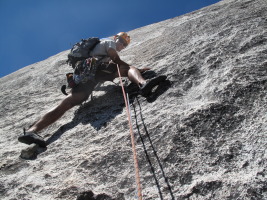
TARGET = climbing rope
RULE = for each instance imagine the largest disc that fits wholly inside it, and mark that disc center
(137, 176)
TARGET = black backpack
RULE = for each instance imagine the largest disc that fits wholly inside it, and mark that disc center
(81, 50)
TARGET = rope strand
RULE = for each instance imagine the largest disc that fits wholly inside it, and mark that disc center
(137, 176)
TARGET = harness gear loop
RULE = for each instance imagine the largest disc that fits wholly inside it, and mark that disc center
(137, 176)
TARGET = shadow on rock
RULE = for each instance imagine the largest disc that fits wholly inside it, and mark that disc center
(97, 112)
(91, 196)
(31, 152)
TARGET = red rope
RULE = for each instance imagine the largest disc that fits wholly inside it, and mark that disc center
(137, 176)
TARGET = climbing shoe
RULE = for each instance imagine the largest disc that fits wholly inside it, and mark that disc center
(31, 137)
(150, 83)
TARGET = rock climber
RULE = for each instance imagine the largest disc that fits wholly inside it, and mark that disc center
(108, 50)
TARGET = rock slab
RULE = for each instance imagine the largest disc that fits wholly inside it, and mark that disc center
(201, 135)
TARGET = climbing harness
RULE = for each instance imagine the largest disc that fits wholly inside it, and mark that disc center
(126, 100)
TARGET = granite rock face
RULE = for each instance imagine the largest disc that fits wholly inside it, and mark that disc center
(201, 135)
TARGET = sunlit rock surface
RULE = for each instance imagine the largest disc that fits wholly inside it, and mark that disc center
(200, 135)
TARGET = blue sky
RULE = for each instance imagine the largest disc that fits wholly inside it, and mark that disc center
(33, 30)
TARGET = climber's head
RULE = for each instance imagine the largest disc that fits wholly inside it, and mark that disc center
(122, 40)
